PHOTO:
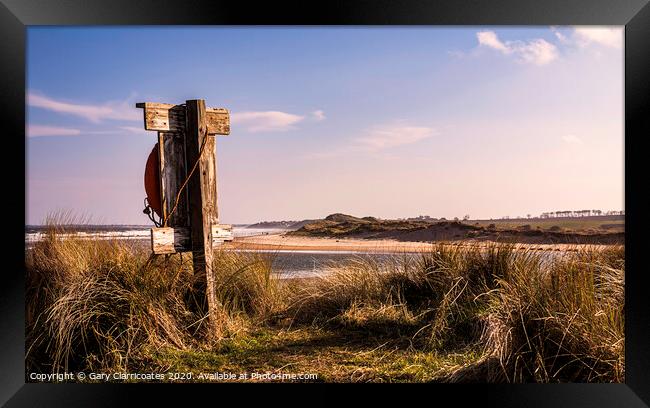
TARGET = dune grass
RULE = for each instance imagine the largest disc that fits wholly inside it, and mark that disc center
(454, 314)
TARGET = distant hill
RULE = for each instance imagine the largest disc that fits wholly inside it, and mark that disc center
(338, 217)
(347, 225)
(343, 226)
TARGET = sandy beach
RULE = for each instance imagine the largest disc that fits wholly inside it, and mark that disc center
(283, 242)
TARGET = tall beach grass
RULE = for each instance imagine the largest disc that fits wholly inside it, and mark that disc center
(528, 316)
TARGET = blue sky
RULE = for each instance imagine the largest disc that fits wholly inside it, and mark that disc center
(389, 122)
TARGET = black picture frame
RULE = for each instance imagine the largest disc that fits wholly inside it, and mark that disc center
(15, 15)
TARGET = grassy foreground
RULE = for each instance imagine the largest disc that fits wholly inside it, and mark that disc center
(452, 315)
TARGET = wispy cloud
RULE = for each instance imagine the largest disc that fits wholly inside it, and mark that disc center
(537, 51)
(572, 139)
(540, 51)
(490, 39)
(112, 110)
(318, 115)
(266, 121)
(384, 137)
(380, 140)
(134, 129)
(41, 130)
(584, 36)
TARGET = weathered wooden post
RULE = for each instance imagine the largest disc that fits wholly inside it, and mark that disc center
(202, 190)
(188, 185)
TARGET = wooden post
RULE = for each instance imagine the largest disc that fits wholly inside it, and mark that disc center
(192, 220)
(202, 193)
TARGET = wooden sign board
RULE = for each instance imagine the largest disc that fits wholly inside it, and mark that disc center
(177, 152)
(165, 117)
(172, 240)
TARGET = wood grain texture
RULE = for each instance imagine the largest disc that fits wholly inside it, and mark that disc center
(221, 233)
(172, 173)
(167, 240)
(161, 169)
(166, 117)
(170, 240)
(202, 194)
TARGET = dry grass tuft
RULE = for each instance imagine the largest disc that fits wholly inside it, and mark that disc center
(520, 315)
(102, 304)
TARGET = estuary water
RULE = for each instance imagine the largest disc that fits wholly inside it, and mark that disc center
(285, 263)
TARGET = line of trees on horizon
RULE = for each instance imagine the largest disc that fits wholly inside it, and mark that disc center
(579, 213)
(544, 215)
(549, 214)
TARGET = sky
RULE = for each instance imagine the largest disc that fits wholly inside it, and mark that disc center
(389, 122)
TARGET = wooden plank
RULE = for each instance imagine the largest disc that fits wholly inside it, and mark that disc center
(173, 173)
(218, 121)
(166, 117)
(170, 240)
(202, 193)
(167, 240)
(221, 233)
(161, 169)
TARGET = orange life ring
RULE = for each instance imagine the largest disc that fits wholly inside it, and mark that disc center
(152, 181)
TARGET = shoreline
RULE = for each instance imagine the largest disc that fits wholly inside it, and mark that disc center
(281, 242)
(285, 243)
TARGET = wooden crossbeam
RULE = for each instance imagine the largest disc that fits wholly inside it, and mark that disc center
(169, 240)
(165, 117)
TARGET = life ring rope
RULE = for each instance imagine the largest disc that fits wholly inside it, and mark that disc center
(149, 210)
(151, 213)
